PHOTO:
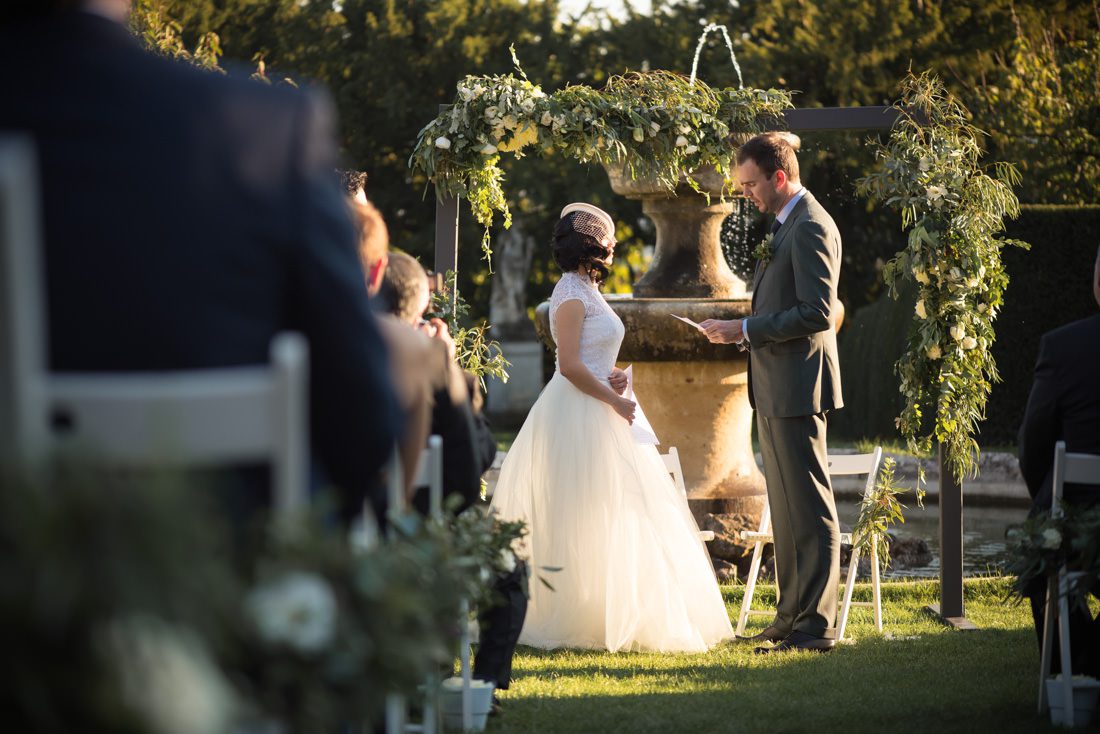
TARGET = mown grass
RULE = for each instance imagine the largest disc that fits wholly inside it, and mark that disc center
(917, 676)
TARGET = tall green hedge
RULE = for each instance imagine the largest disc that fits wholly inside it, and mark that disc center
(1050, 286)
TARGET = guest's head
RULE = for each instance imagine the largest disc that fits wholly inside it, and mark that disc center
(404, 292)
(584, 238)
(354, 183)
(767, 167)
(374, 243)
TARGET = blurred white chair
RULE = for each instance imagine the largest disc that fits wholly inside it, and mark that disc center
(839, 464)
(22, 321)
(1075, 469)
(196, 418)
(429, 473)
(192, 419)
(672, 464)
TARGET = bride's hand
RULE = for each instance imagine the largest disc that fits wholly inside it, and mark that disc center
(617, 380)
(625, 408)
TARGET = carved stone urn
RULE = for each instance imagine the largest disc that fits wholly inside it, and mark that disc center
(694, 393)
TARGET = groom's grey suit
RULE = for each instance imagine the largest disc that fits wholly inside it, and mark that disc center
(794, 380)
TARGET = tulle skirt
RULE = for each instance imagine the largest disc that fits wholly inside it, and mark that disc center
(602, 508)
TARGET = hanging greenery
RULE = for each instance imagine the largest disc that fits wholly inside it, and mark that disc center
(954, 210)
(880, 509)
(654, 124)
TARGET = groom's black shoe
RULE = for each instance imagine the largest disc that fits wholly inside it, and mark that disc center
(770, 634)
(796, 641)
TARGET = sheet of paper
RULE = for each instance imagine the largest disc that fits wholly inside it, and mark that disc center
(689, 322)
(642, 430)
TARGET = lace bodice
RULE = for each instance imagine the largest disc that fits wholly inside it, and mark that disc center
(602, 331)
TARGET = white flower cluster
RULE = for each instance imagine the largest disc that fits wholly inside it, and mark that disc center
(297, 610)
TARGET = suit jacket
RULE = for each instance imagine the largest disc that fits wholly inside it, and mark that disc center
(793, 364)
(1064, 405)
(189, 217)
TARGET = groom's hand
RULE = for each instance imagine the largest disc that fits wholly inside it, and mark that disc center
(617, 380)
(723, 332)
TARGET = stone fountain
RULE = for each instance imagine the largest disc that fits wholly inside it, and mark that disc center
(694, 393)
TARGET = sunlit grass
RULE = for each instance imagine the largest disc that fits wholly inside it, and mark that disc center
(916, 676)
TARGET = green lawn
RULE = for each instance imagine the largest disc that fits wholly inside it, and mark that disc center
(918, 676)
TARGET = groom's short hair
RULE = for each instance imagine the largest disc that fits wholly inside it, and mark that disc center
(774, 151)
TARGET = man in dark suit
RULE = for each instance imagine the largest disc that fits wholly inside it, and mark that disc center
(1064, 405)
(188, 218)
(794, 381)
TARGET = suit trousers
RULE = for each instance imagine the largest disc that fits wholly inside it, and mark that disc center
(501, 625)
(804, 522)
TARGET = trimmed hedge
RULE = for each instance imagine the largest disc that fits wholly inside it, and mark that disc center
(1050, 285)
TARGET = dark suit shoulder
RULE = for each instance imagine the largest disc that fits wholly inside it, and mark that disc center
(1072, 337)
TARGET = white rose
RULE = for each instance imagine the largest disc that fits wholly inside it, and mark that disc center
(442, 143)
(969, 342)
(1052, 539)
(507, 560)
(691, 149)
(298, 610)
(925, 163)
(547, 119)
(488, 149)
(491, 113)
(681, 141)
(958, 333)
(921, 277)
(920, 309)
(934, 352)
(935, 192)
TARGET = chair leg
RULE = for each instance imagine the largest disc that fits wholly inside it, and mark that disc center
(1064, 651)
(395, 714)
(849, 587)
(750, 588)
(876, 588)
(1047, 654)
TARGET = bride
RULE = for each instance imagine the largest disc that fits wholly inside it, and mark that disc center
(634, 574)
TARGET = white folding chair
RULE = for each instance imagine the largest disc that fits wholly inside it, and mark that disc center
(1075, 469)
(672, 464)
(22, 322)
(195, 418)
(839, 464)
(429, 473)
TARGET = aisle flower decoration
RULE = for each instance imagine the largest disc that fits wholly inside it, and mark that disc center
(954, 211)
(654, 124)
(1042, 544)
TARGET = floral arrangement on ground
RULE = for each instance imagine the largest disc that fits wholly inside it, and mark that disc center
(654, 124)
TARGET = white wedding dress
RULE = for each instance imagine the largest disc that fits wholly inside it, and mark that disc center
(634, 574)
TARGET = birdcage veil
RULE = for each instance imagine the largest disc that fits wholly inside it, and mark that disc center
(590, 220)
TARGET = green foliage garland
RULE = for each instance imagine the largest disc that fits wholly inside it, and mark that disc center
(1044, 543)
(929, 171)
(655, 124)
(878, 511)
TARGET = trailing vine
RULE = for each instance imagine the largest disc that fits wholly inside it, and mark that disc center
(954, 210)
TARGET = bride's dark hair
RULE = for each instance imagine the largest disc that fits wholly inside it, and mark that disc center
(572, 249)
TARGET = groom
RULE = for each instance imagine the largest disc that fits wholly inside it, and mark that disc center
(794, 381)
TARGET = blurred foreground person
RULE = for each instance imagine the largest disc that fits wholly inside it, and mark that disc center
(188, 218)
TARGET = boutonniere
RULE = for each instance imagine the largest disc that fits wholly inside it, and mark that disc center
(763, 251)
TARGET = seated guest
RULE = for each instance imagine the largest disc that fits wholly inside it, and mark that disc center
(1064, 405)
(468, 444)
(189, 218)
(413, 361)
(468, 451)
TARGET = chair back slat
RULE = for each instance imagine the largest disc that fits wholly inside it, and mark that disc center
(1083, 468)
(840, 464)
